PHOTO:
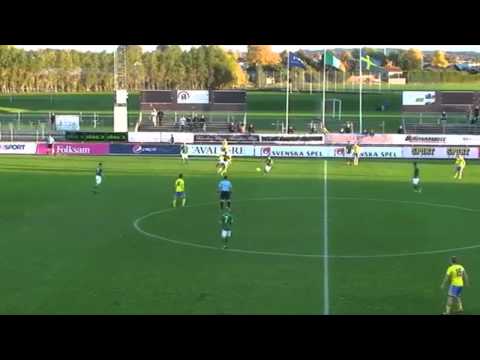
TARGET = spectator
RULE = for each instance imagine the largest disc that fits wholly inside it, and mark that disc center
(182, 123)
(195, 122)
(52, 121)
(231, 127)
(312, 127)
(371, 132)
(444, 116)
(323, 129)
(365, 132)
(159, 118)
(172, 139)
(342, 130)
(154, 116)
(203, 123)
(291, 130)
(348, 128)
(400, 130)
(476, 115)
(189, 123)
(251, 128)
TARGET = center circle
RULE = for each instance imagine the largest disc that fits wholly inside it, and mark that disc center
(316, 232)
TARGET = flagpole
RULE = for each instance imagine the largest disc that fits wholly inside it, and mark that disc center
(288, 90)
(311, 79)
(360, 92)
(323, 92)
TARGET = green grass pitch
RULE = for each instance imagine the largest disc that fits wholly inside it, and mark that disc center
(68, 251)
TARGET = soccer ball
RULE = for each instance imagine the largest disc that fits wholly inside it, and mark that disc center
(258, 169)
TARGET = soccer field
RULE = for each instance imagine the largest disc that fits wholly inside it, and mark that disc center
(311, 237)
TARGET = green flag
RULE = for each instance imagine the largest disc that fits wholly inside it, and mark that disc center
(334, 62)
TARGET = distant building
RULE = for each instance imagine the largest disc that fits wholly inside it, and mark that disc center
(366, 79)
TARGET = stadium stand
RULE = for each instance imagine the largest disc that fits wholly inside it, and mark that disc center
(418, 128)
(169, 124)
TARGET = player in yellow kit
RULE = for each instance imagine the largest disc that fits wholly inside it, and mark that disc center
(460, 164)
(457, 277)
(179, 191)
(224, 148)
(356, 154)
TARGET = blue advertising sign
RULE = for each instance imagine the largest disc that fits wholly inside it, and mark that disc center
(143, 149)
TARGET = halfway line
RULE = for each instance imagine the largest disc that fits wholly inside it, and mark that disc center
(326, 297)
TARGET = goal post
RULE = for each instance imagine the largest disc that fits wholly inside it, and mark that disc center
(335, 107)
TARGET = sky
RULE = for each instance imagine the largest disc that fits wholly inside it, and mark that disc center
(277, 48)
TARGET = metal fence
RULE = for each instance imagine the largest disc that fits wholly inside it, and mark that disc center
(32, 122)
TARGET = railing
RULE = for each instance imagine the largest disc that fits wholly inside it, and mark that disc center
(89, 121)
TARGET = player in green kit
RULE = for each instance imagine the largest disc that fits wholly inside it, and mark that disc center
(348, 153)
(184, 153)
(98, 177)
(268, 165)
(416, 178)
(226, 221)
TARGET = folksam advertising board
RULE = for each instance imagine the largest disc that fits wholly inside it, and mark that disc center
(18, 148)
(67, 122)
(437, 152)
(76, 149)
(142, 149)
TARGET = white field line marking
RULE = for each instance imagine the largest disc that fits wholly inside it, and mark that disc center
(326, 295)
(315, 256)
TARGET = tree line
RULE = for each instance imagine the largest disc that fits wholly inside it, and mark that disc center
(168, 67)
(261, 59)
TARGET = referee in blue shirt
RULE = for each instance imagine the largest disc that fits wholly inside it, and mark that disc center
(225, 190)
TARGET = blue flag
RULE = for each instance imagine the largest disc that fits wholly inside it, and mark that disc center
(295, 61)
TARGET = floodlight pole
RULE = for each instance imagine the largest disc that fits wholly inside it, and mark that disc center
(311, 78)
(323, 92)
(288, 90)
(360, 94)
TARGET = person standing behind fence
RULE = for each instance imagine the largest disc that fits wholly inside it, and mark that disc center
(160, 118)
(476, 115)
(182, 123)
(444, 116)
(52, 121)
(154, 117)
